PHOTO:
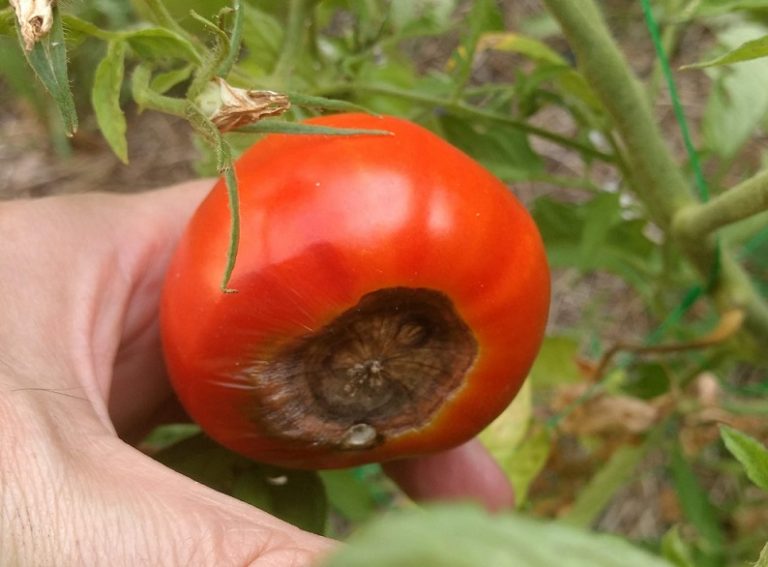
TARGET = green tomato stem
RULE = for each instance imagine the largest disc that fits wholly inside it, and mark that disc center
(657, 180)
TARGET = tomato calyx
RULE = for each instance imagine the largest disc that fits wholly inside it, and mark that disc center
(381, 368)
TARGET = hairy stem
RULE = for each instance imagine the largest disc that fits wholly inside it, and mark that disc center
(739, 203)
(657, 179)
(463, 109)
(664, 189)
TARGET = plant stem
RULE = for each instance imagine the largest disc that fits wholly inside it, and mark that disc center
(664, 189)
(658, 181)
(739, 203)
(462, 109)
(293, 41)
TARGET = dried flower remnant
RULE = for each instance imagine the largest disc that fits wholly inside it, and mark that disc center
(35, 19)
(229, 107)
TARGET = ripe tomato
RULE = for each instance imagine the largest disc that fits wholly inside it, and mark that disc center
(391, 297)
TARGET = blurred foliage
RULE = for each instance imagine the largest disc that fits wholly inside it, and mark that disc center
(633, 447)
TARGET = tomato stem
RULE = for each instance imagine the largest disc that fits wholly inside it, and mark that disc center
(654, 176)
(463, 109)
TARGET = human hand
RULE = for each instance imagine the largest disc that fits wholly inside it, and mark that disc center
(81, 376)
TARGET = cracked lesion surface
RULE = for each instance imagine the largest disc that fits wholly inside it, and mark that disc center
(381, 368)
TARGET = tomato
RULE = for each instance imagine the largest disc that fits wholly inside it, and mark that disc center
(391, 295)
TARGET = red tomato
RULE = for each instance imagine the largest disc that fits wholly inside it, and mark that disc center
(391, 297)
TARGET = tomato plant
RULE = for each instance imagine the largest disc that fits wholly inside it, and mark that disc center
(389, 298)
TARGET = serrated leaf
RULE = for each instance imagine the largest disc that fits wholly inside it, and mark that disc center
(752, 455)
(161, 43)
(753, 49)
(48, 59)
(466, 537)
(614, 475)
(297, 497)
(105, 97)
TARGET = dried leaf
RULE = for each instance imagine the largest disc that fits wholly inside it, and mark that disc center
(35, 19)
(229, 107)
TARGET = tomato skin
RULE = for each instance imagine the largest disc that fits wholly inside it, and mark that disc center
(325, 220)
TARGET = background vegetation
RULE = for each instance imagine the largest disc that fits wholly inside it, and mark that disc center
(645, 414)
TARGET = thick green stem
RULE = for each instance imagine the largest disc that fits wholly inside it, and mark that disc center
(662, 186)
(657, 179)
(739, 203)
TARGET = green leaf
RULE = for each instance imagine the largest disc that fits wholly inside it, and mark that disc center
(614, 475)
(504, 150)
(752, 455)
(739, 97)
(163, 82)
(646, 380)
(161, 44)
(508, 430)
(484, 16)
(263, 37)
(708, 8)
(421, 16)
(762, 561)
(297, 497)
(675, 550)
(105, 97)
(349, 495)
(753, 49)
(556, 362)
(78, 28)
(164, 436)
(323, 103)
(602, 214)
(283, 127)
(48, 59)
(7, 20)
(614, 243)
(466, 537)
(527, 461)
(528, 46)
(698, 510)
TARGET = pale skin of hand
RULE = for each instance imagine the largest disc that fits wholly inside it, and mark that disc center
(81, 376)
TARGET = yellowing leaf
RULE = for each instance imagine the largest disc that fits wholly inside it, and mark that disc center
(506, 432)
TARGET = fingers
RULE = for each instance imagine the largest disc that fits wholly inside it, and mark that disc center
(467, 472)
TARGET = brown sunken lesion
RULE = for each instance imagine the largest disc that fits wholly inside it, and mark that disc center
(382, 367)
